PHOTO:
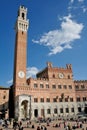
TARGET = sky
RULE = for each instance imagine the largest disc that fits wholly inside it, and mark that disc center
(57, 33)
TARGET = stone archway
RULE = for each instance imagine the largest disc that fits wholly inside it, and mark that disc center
(24, 109)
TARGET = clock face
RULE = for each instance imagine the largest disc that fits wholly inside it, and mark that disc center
(61, 75)
(21, 74)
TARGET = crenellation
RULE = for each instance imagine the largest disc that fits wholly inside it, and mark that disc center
(23, 7)
(68, 66)
(80, 81)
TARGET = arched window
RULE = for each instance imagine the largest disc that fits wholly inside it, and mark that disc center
(23, 15)
(53, 75)
(48, 111)
(67, 110)
(68, 76)
(55, 110)
(4, 97)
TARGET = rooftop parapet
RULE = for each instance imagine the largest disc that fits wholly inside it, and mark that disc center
(80, 81)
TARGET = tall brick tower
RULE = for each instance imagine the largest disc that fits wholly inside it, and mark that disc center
(19, 77)
(21, 28)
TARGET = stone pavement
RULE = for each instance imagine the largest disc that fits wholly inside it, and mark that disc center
(50, 127)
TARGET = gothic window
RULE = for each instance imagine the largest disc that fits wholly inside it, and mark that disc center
(64, 86)
(70, 86)
(68, 76)
(71, 99)
(54, 86)
(66, 99)
(67, 110)
(48, 111)
(35, 85)
(41, 86)
(72, 109)
(60, 99)
(53, 75)
(78, 99)
(35, 99)
(59, 86)
(42, 100)
(55, 110)
(84, 98)
(47, 85)
(76, 87)
(82, 86)
(79, 109)
(54, 100)
(48, 100)
(61, 110)
(4, 97)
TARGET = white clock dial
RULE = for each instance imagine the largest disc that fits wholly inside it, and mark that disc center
(21, 74)
(61, 75)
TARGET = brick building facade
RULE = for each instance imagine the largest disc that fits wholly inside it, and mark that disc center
(53, 93)
(4, 105)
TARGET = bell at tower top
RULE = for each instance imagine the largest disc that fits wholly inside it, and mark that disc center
(22, 12)
(22, 22)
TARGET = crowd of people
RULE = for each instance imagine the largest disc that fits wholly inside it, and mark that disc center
(61, 124)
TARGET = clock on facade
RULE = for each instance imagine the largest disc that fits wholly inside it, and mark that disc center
(61, 75)
(21, 74)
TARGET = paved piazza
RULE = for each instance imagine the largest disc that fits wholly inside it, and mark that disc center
(51, 125)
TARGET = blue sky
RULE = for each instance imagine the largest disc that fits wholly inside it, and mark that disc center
(57, 33)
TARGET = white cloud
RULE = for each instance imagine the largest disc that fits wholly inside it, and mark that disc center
(77, 6)
(84, 9)
(71, 1)
(80, 0)
(31, 72)
(10, 81)
(60, 39)
(70, 7)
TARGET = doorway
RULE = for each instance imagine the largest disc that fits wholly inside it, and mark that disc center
(36, 112)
